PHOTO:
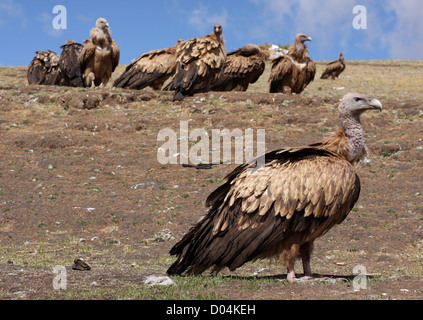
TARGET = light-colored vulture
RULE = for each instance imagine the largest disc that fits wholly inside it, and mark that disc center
(278, 209)
(198, 60)
(99, 57)
(69, 65)
(293, 72)
(335, 68)
(242, 68)
(152, 69)
(44, 69)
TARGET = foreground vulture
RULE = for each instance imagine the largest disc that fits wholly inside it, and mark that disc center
(44, 69)
(152, 69)
(69, 65)
(242, 68)
(99, 57)
(335, 68)
(198, 60)
(293, 72)
(280, 208)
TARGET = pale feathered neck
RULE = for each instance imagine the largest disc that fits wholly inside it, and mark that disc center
(298, 51)
(349, 140)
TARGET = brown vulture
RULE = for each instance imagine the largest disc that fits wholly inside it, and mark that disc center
(69, 65)
(198, 60)
(242, 68)
(99, 57)
(44, 69)
(152, 69)
(278, 209)
(335, 68)
(293, 72)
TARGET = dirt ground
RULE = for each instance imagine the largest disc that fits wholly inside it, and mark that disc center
(80, 179)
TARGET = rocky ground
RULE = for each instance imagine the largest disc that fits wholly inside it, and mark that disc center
(80, 179)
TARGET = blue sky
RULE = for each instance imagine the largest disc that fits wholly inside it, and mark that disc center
(394, 27)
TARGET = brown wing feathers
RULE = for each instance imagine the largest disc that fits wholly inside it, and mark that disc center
(252, 213)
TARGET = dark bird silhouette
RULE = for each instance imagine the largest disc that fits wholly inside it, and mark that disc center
(335, 68)
(44, 69)
(69, 65)
(242, 68)
(198, 60)
(152, 69)
(280, 208)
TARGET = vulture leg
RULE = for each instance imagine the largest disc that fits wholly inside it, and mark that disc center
(305, 252)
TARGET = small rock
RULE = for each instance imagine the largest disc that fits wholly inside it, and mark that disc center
(159, 281)
(80, 265)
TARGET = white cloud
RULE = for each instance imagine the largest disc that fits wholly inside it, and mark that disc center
(46, 21)
(11, 8)
(405, 40)
(203, 20)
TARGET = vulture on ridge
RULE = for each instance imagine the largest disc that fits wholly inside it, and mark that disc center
(293, 72)
(99, 57)
(198, 60)
(69, 65)
(278, 209)
(152, 69)
(44, 69)
(242, 68)
(335, 68)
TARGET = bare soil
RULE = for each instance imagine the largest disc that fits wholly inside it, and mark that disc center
(80, 179)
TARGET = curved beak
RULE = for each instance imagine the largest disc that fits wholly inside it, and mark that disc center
(375, 104)
(309, 39)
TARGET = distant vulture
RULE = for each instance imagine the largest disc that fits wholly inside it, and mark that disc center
(198, 60)
(242, 68)
(278, 209)
(335, 68)
(69, 65)
(44, 69)
(99, 57)
(293, 72)
(152, 69)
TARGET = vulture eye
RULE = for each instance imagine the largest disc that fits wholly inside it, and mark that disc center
(357, 99)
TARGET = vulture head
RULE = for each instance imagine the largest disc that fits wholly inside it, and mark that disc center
(354, 104)
(218, 32)
(102, 24)
(250, 50)
(301, 38)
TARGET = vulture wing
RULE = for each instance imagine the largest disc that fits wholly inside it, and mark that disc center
(297, 196)
(70, 66)
(289, 76)
(239, 72)
(197, 62)
(333, 69)
(115, 55)
(87, 55)
(44, 69)
(150, 69)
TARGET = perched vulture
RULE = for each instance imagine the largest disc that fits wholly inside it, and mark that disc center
(99, 57)
(44, 69)
(293, 72)
(278, 209)
(242, 67)
(335, 68)
(198, 60)
(69, 65)
(152, 69)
